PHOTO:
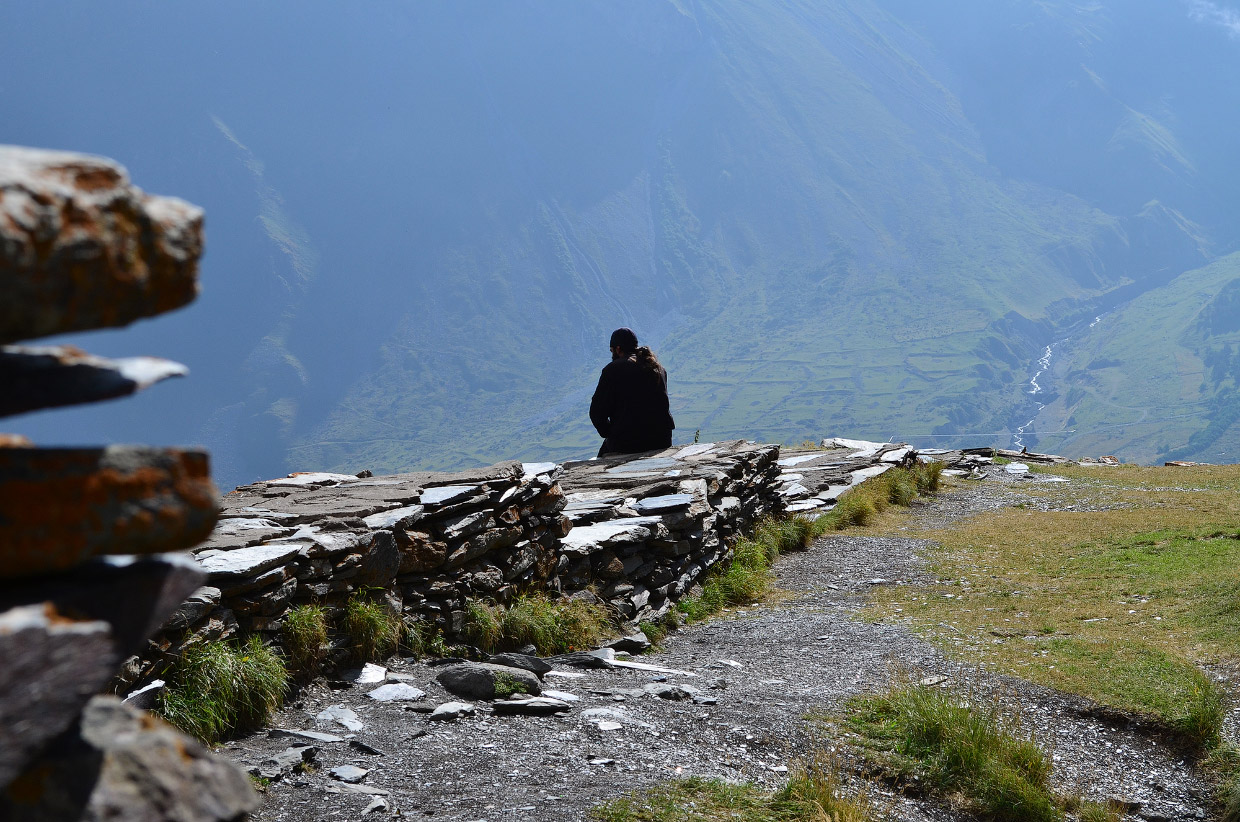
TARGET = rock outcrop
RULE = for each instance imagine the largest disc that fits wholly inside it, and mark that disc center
(85, 573)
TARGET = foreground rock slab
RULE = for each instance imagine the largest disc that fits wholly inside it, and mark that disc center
(121, 763)
(61, 506)
(82, 248)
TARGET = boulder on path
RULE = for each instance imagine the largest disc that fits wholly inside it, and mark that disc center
(482, 680)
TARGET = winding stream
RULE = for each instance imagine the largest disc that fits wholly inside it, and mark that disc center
(1044, 364)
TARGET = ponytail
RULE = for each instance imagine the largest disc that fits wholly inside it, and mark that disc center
(646, 358)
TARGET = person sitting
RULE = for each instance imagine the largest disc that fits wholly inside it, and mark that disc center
(630, 408)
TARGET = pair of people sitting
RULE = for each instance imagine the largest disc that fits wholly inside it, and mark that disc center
(630, 408)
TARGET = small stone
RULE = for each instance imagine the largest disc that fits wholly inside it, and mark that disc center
(608, 725)
(285, 762)
(533, 706)
(379, 803)
(450, 711)
(675, 693)
(633, 643)
(313, 736)
(396, 692)
(368, 674)
(342, 715)
(349, 773)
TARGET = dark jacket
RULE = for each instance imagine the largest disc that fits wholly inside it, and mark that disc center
(630, 408)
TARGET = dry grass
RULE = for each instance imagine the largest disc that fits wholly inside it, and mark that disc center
(1119, 605)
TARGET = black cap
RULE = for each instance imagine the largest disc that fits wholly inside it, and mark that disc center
(624, 339)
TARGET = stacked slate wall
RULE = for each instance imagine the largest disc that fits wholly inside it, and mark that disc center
(426, 542)
(646, 529)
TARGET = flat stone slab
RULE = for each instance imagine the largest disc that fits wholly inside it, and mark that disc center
(664, 502)
(396, 692)
(448, 494)
(396, 516)
(83, 248)
(587, 538)
(248, 562)
(53, 376)
(61, 506)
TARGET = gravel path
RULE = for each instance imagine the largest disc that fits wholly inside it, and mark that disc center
(765, 667)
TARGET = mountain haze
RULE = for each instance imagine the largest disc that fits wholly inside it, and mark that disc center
(863, 218)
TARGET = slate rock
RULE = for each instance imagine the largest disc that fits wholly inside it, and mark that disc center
(349, 773)
(450, 711)
(121, 763)
(601, 658)
(285, 762)
(670, 691)
(481, 680)
(396, 692)
(74, 224)
(633, 643)
(144, 698)
(51, 668)
(313, 736)
(527, 662)
(342, 715)
(532, 706)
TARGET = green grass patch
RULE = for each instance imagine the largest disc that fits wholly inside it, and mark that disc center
(551, 626)
(658, 630)
(1121, 593)
(303, 635)
(216, 689)
(956, 747)
(861, 506)
(814, 793)
(375, 632)
(745, 580)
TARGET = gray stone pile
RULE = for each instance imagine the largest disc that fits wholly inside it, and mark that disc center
(645, 529)
(84, 577)
(429, 541)
(812, 480)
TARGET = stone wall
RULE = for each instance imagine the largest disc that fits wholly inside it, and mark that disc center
(635, 532)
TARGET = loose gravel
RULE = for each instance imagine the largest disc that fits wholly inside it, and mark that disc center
(764, 668)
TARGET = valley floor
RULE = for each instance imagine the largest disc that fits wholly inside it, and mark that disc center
(765, 668)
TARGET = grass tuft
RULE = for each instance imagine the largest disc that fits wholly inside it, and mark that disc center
(303, 634)
(814, 793)
(860, 506)
(959, 749)
(551, 626)
(374, 631)
(216, 689)
(657, 630)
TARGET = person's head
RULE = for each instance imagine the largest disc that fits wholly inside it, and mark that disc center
(623, 342)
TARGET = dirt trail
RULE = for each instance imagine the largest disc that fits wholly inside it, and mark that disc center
(764, 667)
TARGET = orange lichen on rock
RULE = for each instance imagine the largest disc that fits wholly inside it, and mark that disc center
(63, 506)
(82, 248)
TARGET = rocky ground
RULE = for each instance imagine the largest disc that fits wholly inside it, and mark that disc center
(758, 672)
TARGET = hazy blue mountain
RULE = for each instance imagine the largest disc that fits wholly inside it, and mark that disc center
(863, 218)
